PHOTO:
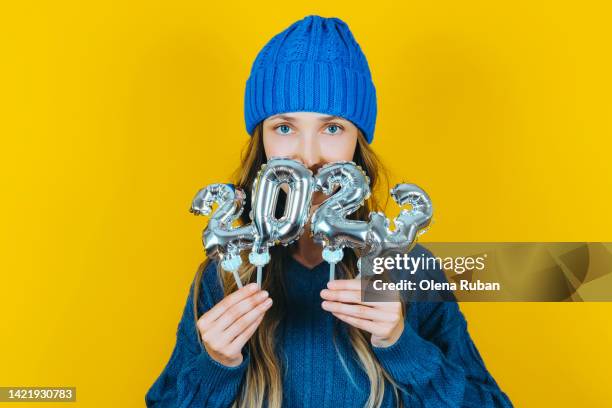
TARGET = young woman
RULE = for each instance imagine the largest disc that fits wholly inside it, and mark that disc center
(301, 341)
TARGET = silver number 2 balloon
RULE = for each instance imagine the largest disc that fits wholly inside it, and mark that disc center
(331, 228)
(221, 240)
(329, 225)
(269, 230)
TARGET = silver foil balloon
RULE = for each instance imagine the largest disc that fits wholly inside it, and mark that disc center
(222, 241)
(269, 230)
(329, 226)
(409, 224)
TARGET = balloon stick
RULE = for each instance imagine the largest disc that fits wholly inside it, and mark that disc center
(237, 279)
(259, 278)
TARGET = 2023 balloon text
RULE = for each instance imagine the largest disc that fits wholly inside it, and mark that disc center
(329, 225)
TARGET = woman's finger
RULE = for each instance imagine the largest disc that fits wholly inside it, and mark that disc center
(348, 296)
(366, 325)
(237, 310)
(243, 337)
(360, 311)
(246, 320)
(217, 311)
(354, 296)
(344, 284)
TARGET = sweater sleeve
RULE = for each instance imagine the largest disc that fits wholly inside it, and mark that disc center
(191, 378)
(436, 362)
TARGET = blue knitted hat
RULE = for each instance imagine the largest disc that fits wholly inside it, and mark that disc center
(314, 65)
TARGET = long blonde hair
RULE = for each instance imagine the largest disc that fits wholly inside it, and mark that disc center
(263, 377)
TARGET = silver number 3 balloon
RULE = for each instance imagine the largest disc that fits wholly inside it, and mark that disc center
(409, 224)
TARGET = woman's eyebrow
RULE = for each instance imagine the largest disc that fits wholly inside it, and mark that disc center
(283, 117)
(293, 119)
(329, 117)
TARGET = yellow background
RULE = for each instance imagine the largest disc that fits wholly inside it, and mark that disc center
(114, 114)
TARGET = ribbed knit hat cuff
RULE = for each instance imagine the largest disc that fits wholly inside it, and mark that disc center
(311, 86)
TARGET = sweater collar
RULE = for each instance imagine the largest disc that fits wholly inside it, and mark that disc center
(305, 284)
(317, 268)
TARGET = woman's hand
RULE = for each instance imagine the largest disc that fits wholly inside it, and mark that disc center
(227, 326)
(383, 319)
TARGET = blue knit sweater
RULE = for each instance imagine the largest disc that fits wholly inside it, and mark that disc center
(434, 360)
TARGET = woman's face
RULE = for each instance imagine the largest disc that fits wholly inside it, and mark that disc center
(311, 137)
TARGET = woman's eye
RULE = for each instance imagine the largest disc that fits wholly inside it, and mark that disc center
(333, 129)
(283, 129)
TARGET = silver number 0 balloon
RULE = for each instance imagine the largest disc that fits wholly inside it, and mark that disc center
(269, 230)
